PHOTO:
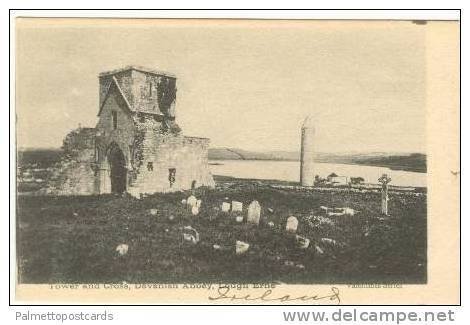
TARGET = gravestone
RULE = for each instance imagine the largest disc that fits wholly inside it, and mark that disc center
(254, 213)
(237, 206)
(191, 201)
(291, 225)
(225, 207)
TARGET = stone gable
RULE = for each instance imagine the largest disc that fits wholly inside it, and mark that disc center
(136, 147)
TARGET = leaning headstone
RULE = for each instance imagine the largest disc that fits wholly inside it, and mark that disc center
(191, 201)
(254, 213)
(319, 250)
(291, 225)
(225, 207)
(241, 247)
(237, 206)
(329, 241)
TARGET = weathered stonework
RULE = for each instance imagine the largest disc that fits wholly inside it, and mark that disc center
(75, 173)
(136, 146)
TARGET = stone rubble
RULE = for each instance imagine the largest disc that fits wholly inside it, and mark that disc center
(122, 249)
(241, 247)
(302, 242)
(190, 235)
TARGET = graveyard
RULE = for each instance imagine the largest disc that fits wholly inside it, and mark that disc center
(160, 238)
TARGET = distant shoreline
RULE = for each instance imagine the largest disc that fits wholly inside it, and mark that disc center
(410, 162)
(392, 167)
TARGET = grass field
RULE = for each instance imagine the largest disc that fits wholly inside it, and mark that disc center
(73, 239)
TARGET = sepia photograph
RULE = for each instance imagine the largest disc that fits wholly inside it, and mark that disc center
(223, 155)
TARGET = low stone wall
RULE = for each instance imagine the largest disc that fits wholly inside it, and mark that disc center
(167, 163)
(187, 157)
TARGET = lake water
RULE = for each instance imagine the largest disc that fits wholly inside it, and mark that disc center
(289, 171)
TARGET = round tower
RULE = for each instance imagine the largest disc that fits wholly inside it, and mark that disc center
(307, 153)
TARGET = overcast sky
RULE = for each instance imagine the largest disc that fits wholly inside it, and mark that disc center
(241, 85)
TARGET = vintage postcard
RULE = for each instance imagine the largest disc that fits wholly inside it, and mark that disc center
(172, 161)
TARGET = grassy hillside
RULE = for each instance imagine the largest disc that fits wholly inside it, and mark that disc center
(412, 162)
(74, 239)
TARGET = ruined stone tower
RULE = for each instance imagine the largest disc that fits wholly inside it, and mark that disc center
(136, 147)
(307, 153)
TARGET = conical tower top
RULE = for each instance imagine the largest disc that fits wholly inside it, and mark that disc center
(308, 123)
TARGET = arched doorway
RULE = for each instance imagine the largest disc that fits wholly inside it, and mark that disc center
(118, 170)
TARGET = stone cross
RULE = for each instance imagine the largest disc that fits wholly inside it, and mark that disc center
(384, 180)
